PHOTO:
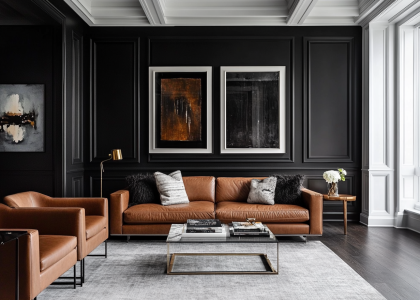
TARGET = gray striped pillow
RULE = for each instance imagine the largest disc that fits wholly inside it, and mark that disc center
(171, 188)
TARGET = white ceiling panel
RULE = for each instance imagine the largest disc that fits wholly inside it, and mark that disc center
(221, 12)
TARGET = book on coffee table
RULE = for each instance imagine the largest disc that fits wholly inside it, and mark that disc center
(248, 227)
(206, 234)
(197, 223)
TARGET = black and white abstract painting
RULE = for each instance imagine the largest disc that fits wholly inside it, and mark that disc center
(253, 105)
(22, 117)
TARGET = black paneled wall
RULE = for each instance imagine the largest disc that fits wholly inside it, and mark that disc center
(323, 101)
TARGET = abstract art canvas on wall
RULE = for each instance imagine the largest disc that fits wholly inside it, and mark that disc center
(180, 110)
(253, 106)
(22, 117)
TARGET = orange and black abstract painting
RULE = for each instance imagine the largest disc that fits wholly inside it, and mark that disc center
(181, 109)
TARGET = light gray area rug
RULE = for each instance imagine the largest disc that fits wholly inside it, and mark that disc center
(137, 270)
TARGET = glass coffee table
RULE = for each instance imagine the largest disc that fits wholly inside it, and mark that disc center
(208, 261)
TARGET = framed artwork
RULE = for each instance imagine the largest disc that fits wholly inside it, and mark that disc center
(180, 110)
(253, 106)
(22, 117)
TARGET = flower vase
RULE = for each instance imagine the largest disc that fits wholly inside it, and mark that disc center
(332, 189)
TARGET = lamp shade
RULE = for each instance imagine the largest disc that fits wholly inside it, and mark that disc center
(116, 154)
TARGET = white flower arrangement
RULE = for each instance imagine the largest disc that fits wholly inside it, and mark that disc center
(334, 176)
(331, 176)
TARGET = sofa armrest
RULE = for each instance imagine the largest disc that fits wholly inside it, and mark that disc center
(48, 221)
(313, 201)
(29, 265)
(118, 204)
(92, 206)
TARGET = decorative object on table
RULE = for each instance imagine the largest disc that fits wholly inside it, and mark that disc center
(251, 220)
(332, 177)
(262, 191)
(253, 106)
(171, 188)
(142, 189)
(115, 155)
(344, 198)
(248, 229)
(180, 110)
(22, 117)
(288, 189)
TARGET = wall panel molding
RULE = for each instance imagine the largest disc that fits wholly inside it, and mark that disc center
(77, 186)
(132, 153)
(77, 100)
(333, 120)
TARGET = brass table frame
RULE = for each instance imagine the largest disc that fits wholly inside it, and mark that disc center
(170, 261)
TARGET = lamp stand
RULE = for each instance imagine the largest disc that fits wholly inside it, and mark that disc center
(102, 170)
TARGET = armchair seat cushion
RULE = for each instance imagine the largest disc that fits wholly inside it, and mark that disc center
(53, 248)
(94, 225)
(177, 213)
(277, 213)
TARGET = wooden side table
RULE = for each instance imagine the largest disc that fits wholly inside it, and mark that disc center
(344, 198)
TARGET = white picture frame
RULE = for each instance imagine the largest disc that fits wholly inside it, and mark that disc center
(224, 149)
(153, 148)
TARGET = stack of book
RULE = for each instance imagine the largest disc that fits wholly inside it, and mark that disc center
(248, 229)
(203, 228)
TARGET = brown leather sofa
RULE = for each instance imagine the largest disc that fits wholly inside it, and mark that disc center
(93, 226)
(223, 198)
(45, 253)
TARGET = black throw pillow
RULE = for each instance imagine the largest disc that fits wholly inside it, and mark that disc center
(288, 189)
(142, 189)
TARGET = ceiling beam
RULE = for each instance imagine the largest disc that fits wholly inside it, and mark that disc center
(154, 11)
(299, 10)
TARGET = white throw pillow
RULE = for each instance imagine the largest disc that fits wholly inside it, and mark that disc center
(171, 188)
(262, 191)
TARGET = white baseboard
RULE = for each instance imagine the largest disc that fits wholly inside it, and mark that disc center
(412, 219)
(377, 221)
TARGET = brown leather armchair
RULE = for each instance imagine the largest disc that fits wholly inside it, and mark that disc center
(45, 253)
(93, 227)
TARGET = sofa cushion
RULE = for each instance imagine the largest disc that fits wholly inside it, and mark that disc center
(277, 213)
(200, 188)
(171, 188)
(177, 213)
(288, 189)
(142, 189)
(53, 248)
(262, 191)
(233, 188)
(94, 225)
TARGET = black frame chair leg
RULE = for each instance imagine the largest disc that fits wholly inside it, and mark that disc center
(74, 275)
(81, 274)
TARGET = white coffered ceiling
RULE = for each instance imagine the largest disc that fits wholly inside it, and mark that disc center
(223, 12)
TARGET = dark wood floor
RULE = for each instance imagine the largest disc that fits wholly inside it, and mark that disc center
(388, 258)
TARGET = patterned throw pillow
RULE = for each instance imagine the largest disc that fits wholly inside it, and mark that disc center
(171, 188)
(262, 191)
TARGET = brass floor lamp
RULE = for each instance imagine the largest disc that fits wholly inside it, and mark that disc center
(115, 155)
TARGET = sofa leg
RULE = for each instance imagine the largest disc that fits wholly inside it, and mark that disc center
(74, 276)
(128, 238)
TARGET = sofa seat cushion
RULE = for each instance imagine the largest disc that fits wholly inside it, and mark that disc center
(277, 213)
(177, 213)
(53, 248)
(94, 225)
